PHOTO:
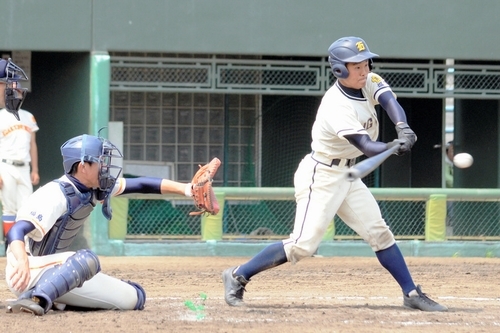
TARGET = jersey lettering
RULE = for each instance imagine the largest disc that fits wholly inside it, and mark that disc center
(16, 127)
(368, 124)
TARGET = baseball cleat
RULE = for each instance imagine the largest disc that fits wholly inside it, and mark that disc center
(422, 302)
(234, 287)
(26, 305)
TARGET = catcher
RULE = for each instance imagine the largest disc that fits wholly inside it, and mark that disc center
(41, 270)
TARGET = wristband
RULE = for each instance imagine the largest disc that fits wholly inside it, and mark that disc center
(187, 190)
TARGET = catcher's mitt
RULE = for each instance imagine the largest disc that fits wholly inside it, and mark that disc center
(201, 189)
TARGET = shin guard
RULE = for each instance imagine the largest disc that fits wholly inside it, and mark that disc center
(59, 280)
(141, 295)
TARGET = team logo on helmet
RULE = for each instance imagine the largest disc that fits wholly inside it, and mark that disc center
(347, 50)
(361, 46)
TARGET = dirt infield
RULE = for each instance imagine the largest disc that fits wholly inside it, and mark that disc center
(335, 294)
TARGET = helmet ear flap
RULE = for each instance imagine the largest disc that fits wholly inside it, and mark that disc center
(340, 71)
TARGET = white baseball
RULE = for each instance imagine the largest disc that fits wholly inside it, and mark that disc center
(463, 160)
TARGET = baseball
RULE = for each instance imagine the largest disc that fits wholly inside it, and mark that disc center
(463, 160)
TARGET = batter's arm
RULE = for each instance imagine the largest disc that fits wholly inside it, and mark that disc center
(391, 105)
(35, 177)
(366, 145)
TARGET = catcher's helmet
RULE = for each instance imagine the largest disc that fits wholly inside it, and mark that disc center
(89, 148)
(11, 74)
(347, 49)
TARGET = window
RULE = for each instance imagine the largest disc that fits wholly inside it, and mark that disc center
(187, 129)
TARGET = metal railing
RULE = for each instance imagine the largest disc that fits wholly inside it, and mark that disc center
(256, 76)
(268, 213)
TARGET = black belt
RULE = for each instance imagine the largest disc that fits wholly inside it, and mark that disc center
(349, 163)
(13, 162)
(336, 161)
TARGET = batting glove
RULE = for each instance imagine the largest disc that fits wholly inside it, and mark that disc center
(405, 132)
(402, 143)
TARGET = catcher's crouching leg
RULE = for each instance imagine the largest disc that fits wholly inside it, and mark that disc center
(141, 295)
(57, 281)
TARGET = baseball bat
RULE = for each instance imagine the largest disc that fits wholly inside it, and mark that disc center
(366, 166)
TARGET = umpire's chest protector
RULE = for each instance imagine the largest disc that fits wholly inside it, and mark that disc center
(64, 231)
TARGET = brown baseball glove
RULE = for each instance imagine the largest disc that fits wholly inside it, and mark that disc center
(202, 191)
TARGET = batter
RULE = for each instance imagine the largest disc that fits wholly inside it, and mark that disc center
(346, 127)
(40, 269)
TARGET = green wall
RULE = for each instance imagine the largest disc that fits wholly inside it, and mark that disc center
(416, 29)
(46, 25)
(60, 101)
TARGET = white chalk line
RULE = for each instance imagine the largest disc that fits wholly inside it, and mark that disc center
(476, 299)
(188, 316)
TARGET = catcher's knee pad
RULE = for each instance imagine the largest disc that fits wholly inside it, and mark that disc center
(141, 295)
(60, 279)
(87, 262)
(381, 239)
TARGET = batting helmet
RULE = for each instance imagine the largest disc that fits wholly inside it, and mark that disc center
(11, 74)
(345, 50)
(89, 148)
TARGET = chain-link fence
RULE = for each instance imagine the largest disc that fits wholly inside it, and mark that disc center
(247, 215)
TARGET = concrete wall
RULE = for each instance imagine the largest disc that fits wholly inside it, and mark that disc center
(460, 29)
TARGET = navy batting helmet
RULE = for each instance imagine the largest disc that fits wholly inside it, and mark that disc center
(11, 74)
(89, 148)
(345, 50)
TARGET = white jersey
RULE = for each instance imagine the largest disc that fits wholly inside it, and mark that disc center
(43, 208)
(47, 204)
(340, 114)
(15, 135)
(321, 186)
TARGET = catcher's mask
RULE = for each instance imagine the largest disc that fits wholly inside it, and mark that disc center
(10, 75)
(89, 148)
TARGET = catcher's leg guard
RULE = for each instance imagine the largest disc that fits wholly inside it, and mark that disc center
(26, 305)
(58, 280)
(141, 295)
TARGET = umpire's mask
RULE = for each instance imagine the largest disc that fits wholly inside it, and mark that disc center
(14, 97)
(11, 74)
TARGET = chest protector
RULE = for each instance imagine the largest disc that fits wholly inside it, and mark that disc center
(64, 231)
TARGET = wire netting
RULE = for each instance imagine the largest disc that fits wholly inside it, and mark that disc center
(269, 219)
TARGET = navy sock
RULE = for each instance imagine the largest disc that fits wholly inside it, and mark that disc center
(271, 256)
(392, 260)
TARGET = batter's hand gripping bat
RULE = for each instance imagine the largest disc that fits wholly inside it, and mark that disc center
(366, 166)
